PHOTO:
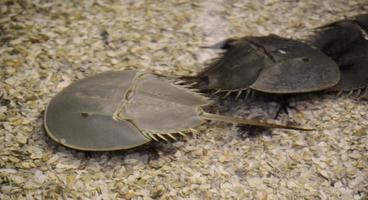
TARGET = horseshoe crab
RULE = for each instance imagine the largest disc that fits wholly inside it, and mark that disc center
(346, 41)
(269, 64)
(124, 109)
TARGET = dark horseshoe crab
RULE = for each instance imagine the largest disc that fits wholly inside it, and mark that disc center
(272, 66)
(346, 41)
(269, 64)
(118, 110)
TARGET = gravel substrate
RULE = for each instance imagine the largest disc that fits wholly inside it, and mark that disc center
(46, 45)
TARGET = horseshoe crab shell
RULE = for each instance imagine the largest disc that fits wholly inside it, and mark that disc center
(270, 64)
(80, 116)
(346, 41)
(124, 109)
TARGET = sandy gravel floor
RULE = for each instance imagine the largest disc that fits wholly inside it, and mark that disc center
(46, 45)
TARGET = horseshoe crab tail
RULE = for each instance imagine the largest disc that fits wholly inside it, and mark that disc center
(253, 122)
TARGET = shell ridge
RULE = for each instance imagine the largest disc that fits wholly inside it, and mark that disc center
(264, 50)
(129, 92)
(154, 132)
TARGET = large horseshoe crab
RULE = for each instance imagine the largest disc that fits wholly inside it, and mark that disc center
(124, 109)
(346, 41)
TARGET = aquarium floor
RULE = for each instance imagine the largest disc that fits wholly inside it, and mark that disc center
(46, 45)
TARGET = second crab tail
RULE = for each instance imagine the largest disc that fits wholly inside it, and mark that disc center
(253, 122)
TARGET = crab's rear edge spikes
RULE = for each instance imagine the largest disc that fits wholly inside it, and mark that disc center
(339, 93)
(194, 132)
(247, 94)
(190, 85)
(179, 82)
(357, 95)
(217, 91)
(227, 94)
(158, 136)
(238, 94)
(171, 136)
(182, 134)
(152, 135)
(162, 136)
(350, 93)
(363, 94)
(253, 122)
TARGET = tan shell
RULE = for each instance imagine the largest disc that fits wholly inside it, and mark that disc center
(123, 109)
